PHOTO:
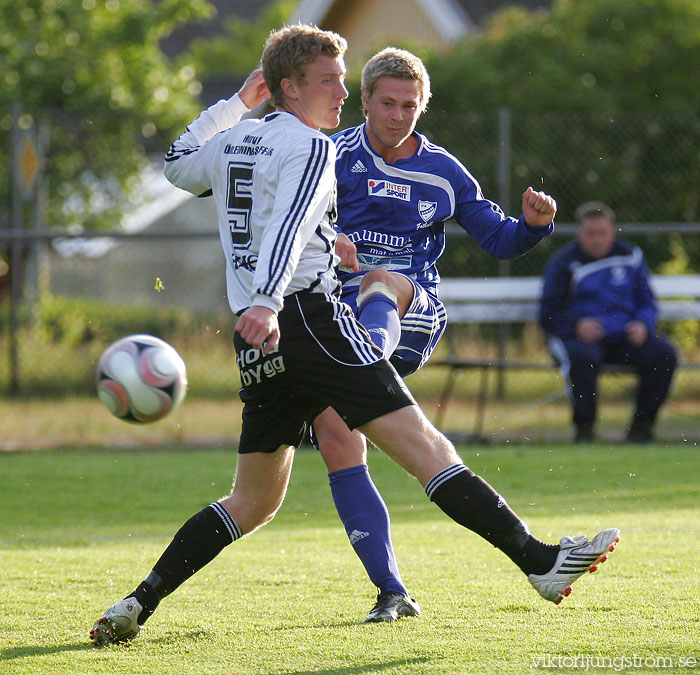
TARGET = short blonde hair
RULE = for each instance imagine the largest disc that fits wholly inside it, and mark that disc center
(398, 63)
(291, 49)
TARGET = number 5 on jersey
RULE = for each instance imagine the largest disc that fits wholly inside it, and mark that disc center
(240, 202)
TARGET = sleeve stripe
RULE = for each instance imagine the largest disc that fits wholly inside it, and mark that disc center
(307, 187)
(346, 142)
(175, 153)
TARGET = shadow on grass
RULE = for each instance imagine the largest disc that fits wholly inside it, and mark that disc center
(27, 650)
(364, 668)
(13, 653)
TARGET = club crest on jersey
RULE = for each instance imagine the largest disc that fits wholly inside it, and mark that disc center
(619, 275)
(383, 188)
(426, 210)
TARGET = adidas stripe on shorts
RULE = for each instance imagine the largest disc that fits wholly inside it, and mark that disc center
(421, 327)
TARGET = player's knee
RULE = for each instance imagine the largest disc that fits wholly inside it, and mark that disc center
(252, 512)
(343, 451)
(338, 457)
(376, 275)
(443, 449)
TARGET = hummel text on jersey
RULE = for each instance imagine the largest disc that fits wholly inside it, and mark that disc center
(390, 241)
(383, 188)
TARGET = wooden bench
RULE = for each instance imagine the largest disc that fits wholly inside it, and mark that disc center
(505, 300)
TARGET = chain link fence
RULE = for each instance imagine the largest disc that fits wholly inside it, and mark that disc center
(76, 293)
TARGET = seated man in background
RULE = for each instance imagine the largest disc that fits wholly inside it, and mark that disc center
(597, 307)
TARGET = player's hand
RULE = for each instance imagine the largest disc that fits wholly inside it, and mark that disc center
(589, 330)
(254, 90)
(258, 327)
(347, 252)
(538, 208)
(636, 332)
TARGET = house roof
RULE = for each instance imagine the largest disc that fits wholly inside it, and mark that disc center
(447, 16)
(451, 18)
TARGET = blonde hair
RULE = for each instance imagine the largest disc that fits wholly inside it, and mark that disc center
(290, 50)
(398, 63)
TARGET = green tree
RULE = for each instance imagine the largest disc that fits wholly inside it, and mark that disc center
(238, 51)
(93, 73)
(599, 56)
(603, 104)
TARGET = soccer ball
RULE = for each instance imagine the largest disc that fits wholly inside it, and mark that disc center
(141, 378)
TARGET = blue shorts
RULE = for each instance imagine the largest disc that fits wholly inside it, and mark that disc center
(421, 327)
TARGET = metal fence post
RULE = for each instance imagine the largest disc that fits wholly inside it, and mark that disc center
(504, 149)
(16, 253)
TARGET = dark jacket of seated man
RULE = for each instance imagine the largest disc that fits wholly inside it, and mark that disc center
(613, 289)
(598, 307)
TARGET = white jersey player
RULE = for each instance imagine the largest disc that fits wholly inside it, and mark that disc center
(273, 182)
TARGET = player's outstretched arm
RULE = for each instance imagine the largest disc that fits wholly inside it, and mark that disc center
(539, 208)
(258, 327)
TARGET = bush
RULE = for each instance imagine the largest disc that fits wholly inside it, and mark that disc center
(74, 321)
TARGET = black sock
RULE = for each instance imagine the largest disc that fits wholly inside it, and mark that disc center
(536, 557)
(470, 501)
(196, 543)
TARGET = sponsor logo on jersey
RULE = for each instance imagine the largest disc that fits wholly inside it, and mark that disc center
(426, 210)
(369, 261)
(250, 146)
(383, 188)
(254, 366)
(390, 241)
(358, 167)
(248, 262)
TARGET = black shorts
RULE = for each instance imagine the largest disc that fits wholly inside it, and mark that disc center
(324, 358)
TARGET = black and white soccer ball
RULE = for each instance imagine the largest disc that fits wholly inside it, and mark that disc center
(141, 378)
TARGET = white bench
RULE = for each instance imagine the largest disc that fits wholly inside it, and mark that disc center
(501, 300)
(516, 299)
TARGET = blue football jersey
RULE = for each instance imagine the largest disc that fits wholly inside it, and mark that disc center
(614, 289)
(395, 213)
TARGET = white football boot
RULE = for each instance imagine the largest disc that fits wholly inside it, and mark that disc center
(576, 556)
(118, 624)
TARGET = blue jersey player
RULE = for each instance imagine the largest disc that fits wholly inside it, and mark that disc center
(396, 190)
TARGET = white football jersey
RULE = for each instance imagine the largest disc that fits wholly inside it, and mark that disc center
(273, 181)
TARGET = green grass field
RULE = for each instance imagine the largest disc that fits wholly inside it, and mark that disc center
(78, 529)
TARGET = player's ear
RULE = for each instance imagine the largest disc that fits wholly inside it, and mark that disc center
(365, 102)
(289, 88)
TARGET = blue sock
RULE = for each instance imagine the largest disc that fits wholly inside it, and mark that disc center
(366, 521)
(380, 316)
